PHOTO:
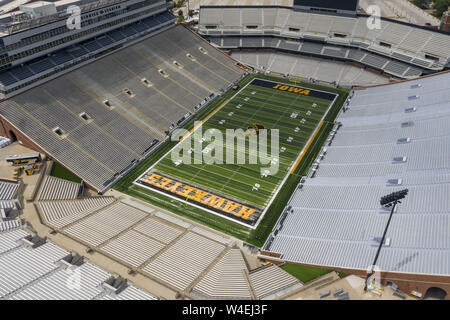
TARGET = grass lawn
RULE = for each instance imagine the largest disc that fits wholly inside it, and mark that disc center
(60, 172)
(306, 273)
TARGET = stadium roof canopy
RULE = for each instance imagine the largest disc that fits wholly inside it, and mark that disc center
(348, 5)
(232, 3)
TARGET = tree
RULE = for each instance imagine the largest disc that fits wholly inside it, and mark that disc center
(178, 3)
(440, 6)
(180, 16)
(423, 4)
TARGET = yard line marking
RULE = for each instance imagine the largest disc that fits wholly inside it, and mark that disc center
(201, 122)
(306, 148)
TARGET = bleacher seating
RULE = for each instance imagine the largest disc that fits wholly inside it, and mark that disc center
(58, 214)
(130, 293)
(37, 274)
(310, 68)
(406, 39)
(105, 224)
(8, 190)
(271, 281)
(63, 56)
(24, 265)
(185, 260)
(196, 261)
(131, 128)
(59, 286)
(142, 248)
(8, 194)
(9, 225)
(382, 63)
(9, 240)
(158, 230)
(54, 188)
(335, 219)
(226, 280)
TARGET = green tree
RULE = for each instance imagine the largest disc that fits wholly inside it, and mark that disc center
(440, 6)
(180, 16)
(423, 4)
(178, 3)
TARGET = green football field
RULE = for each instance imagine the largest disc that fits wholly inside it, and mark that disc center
(296, 116)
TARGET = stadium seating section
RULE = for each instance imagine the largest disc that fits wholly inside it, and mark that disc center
(34, 273)
(122, 104)
(391, 137)
(286, 64)
(182, 256)
(92, 48)
(399, 49)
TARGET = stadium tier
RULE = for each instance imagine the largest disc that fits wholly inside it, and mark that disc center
(329, 35)
(8, 192)
(46, 272)
(122, 104)
(40, 28)
(182, 256)
(388, 138)
(301, 49)
(296, 66)
(16, 79)
(59, 189)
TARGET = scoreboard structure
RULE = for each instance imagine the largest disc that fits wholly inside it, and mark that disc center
(347, 7)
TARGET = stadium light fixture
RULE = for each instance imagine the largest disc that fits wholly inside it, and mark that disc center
(393, 197)
(390, 200)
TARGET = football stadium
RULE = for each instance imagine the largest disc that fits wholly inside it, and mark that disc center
(224, 150)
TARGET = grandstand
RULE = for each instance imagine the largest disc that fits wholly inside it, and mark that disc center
(38, 44)
(59, 189)
(401, 50)
(85, 118)
(388, 138)
(10, 194)
(183, 257)
(323, 70)
(48, 272)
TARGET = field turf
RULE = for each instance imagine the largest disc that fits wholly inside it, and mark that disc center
(292, 114)
(259, 235)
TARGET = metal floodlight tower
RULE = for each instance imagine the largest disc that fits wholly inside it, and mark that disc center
(391, 200)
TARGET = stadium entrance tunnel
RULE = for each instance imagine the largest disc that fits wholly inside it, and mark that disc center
(435, 293)
(12, 136)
